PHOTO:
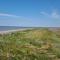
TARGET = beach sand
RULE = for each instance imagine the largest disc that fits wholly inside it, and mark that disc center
(10, 31)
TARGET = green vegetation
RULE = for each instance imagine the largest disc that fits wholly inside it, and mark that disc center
(35, 44)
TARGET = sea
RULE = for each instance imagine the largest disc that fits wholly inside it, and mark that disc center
(6, 28)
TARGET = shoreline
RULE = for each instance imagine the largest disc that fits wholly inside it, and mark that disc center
(11, 31)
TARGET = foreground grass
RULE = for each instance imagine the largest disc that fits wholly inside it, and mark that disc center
(36, 44)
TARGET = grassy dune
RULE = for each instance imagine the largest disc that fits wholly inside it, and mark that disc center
(35, 44)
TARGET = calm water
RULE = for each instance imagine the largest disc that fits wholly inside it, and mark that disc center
(5, 28)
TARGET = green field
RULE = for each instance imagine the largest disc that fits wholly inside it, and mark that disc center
(35, 44)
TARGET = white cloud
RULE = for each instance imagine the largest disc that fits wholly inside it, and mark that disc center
(43, 13)
(53, 14)
(8, 15)
(21, 18)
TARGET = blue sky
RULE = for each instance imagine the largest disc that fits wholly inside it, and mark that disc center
(37, 13)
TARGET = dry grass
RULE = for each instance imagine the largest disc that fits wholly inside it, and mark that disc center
(38, 44)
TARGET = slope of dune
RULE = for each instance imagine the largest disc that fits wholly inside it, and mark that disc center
(33, 44)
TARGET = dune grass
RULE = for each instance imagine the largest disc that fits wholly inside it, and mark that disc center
(35, 44)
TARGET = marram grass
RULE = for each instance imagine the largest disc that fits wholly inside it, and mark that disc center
(36, 44)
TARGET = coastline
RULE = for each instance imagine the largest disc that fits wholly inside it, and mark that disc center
(10, 31)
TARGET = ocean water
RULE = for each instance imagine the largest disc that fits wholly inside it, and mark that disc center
(6, 28)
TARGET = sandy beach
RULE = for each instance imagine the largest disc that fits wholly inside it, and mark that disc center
(10, 31)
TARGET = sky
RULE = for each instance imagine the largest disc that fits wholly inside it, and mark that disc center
(30, 13)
